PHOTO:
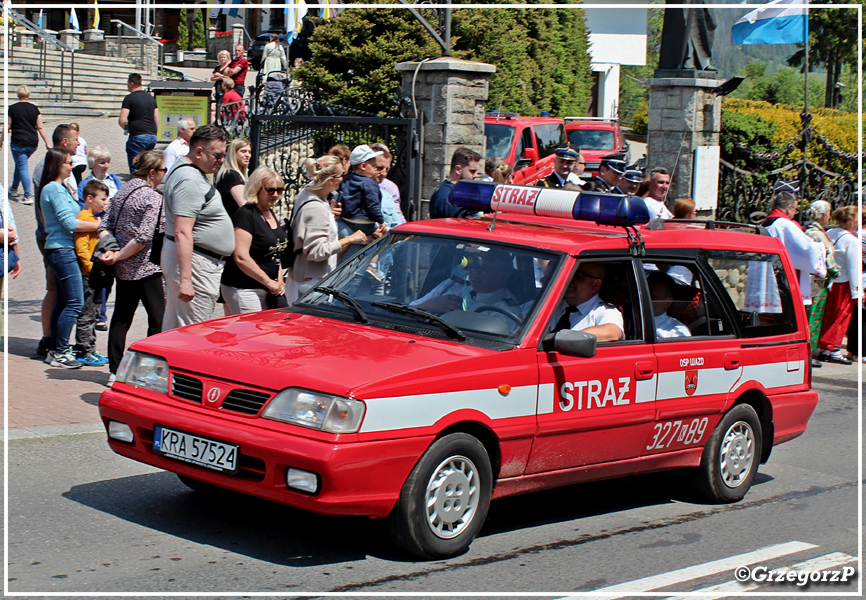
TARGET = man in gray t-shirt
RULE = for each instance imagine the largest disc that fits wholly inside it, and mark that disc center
(199, 235)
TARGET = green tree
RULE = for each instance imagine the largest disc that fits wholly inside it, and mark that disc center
(833, 40)
(183, 31)
(540, 56)
(199, 40)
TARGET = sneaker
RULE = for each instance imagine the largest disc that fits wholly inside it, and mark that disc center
(42, 348)
(93, 359)
(101, 326)
(834, 357)
(66, 360)
(111, 379)
(28, 200)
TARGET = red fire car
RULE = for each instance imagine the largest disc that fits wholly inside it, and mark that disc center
(426, 376)
(526, 143)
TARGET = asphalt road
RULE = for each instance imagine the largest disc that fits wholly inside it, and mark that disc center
(84, 520)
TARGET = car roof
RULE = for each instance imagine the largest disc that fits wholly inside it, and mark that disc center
(572, 237)
(489, 120)
(608, 125)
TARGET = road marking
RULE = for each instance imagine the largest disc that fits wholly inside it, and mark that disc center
(709, 568)
(828, 561)
(52, 431)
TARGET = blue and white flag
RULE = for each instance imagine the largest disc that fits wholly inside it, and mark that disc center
(39, 20)
(780, 22)
(73, 20)
(294, 18)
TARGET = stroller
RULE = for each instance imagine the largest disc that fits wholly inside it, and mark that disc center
(271, 92)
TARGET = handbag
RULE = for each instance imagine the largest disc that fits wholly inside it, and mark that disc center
(157, 239)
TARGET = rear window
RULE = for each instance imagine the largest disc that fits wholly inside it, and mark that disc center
(499, 139)
(549, 137)
(759, 289)
(592, 139)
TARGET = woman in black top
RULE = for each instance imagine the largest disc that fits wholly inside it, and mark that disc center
(223, 58)
(253, 279)
(25, 122)
(232, 176)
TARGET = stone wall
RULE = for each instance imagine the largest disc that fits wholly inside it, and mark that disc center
(451, 94)
(224, 42)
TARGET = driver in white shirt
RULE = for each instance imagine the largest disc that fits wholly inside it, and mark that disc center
(582, 310)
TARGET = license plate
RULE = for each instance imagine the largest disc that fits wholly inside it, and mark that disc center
(196, 450)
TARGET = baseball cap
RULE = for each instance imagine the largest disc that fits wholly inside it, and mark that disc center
(362, 154)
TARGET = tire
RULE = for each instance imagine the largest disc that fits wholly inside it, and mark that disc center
(445, 499)
(731, 456)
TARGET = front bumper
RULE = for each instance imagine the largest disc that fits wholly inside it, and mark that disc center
(357, 478)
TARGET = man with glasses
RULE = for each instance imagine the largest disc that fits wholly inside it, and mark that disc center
(199, 235)
(582, 310)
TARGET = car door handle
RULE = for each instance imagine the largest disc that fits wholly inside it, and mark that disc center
(644, 370)
(732, 361)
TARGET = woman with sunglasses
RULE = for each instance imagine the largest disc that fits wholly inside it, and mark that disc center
(132, 218)
(60, 214)
(314, 237)
(253, 280)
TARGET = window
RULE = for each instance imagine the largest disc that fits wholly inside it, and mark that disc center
(758, 288)
(525, 142)
(549, 137)
(498, 139)
(682, 304)
(592, 139)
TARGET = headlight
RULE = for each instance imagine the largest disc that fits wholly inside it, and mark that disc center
(144, 371)
(333, 414)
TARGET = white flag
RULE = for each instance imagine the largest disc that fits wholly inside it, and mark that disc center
(73, 20)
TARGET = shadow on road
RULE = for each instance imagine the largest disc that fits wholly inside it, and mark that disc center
(240, 524)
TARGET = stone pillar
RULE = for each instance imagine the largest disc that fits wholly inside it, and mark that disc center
(70, 37)
(684, 114)
(94, 42)
(237, 37)
(211, 32)
(450, 93)
(25, 38)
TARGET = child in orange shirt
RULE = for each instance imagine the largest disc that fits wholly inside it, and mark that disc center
(95, 200)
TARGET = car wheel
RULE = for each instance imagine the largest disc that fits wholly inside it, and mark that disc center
(445, 499)
(731, 456)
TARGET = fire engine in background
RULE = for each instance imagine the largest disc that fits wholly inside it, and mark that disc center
(439, 368)
(526, 143)
(596, 138)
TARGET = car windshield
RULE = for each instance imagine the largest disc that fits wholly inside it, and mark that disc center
(498, 139)
(451, 288)
(592, 139)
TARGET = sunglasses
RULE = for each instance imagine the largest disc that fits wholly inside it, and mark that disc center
(585, 275)
(162, 170)
(274, 190)
(340, 176)
(216, 155)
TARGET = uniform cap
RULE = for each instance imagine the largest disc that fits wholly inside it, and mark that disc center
(362, 154)
(614, 162)
(633, 175)
(567, 152)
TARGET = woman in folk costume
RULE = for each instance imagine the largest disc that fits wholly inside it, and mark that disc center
(819, 217)
(845, 290)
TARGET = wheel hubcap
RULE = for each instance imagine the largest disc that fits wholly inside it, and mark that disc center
(737, 454)
(452, 497)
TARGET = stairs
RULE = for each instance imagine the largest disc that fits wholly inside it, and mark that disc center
(100, 83)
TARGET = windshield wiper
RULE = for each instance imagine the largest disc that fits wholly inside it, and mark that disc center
(345, 299)
(420, 314)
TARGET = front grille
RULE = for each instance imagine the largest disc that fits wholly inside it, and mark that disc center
(247, 402)
(186, 387)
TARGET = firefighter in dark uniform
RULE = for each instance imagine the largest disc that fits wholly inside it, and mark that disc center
(563, 161)
(609, 175)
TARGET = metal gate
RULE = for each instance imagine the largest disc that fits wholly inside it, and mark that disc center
(283, 142)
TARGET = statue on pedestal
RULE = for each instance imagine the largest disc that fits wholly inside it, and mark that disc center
(687, 40)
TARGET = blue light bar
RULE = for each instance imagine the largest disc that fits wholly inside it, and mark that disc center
(606, 209)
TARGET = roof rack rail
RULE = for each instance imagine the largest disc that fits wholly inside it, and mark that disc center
(610, 119)
(657, 224)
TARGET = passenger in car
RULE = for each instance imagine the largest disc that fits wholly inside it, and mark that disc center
(490, 272)
(582, 310)
(661, 294)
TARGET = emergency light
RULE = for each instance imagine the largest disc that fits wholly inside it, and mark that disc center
(605, 209)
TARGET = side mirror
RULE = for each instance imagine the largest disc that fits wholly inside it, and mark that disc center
(530, 154)
(570, 343)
